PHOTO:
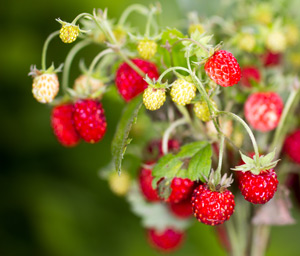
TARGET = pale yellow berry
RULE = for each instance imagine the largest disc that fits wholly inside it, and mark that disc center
(294, 59)
(292, 34)
(120, 34)
(119, 184)
(147, 48)
(202, 111)
(276, 42)
(194, 27)
(263, 13)
(45, 87)
(85, 85)
(247, 42)
(183, 92)
(69, 33)
(153, 99)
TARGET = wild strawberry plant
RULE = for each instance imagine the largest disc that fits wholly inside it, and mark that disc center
(204, 104)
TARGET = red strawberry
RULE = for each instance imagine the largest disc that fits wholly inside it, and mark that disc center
(292, 146)
(223, 68)
(250, 74)
(129, 82)
(212, 207)
(182, 209)
(90, 120)
(263, 110)
(181, 190)
(63, 125)
(155, 147)
(258, 189)
(167, 240)
(271, 59)
(145, 182)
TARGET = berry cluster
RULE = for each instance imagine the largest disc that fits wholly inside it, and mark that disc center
(196, 92)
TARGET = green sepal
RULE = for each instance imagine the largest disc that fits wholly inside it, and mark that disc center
(257, 165)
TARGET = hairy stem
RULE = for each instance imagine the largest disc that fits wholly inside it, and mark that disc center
(279, 133)
(135, 7)
(167, 133)
(247, 128)
(45, 47)
(68, 62)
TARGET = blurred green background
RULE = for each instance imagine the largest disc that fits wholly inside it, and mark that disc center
(52, 201)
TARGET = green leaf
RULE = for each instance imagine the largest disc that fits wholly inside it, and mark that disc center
(167, 167)
(200, 164)
(176, 57)
(121, 140)
(191, 149)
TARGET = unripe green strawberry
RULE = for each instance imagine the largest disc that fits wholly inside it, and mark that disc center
(119, 184)
(194, 27)
(45, 87)
(202, 111)
(292, 34)
(247, 42)
(68, 32)
(183, 92)
(147, 48)
(154, 98)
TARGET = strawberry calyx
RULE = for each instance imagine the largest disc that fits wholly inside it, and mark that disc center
(154, 83)
(257, 165)
(214, 183)
(34, 72)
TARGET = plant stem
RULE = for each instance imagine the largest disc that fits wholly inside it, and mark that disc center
(97, 58)
(167, 133)
(218, 171)
(233, 237)
(169, 70)
(79, 16)
(148, 25)
(249, 131)
(260, 239)
(279, 134)
(68, 62)
(135, 7)
(131, 64)
(45, 47)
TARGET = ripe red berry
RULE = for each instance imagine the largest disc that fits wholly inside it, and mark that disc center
(212, 207)
(258, 189)
(167, 240)
(129, 82)
(181, 190)
(250, 74)
(145, 182)
(223, 68)
(292, 146)
(270, 59)
(90, 120)
(63, 125)
(263, 110)
(182, 209)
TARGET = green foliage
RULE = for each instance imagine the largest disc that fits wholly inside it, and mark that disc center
(193, 162)
(121, 140)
